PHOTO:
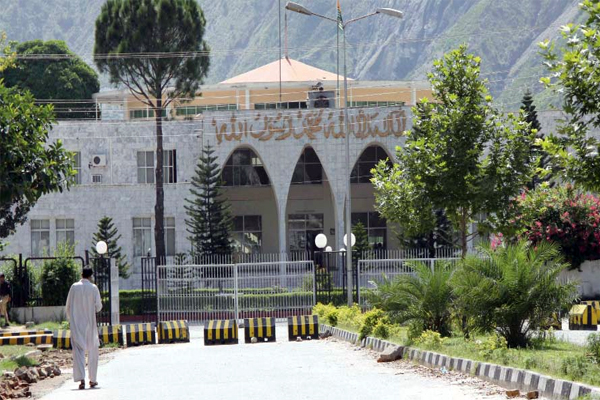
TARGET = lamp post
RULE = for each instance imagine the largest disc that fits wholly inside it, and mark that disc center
(291, 6)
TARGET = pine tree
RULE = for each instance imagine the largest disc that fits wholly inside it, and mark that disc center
(544, 159)
(108, 233)
(362, 242)
(209, 218)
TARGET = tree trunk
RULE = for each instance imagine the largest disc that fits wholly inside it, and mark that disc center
(159, 208)
(463, 233)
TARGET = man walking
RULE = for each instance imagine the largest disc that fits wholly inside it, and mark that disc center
(5, 293)
(83, 303)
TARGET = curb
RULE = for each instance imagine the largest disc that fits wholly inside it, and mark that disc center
(506, 377)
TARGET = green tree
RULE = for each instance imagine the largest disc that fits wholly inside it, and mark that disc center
(512, 290)
(31, 165)
(157, 30)
(575, 74)
(108, 233)
(462, 157)
(209, 219)
(58, 275)
(362, 243)
(535, 128)
(423, 299)
(65, 80)
(8, 55)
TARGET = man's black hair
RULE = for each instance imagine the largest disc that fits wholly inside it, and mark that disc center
(87, 272)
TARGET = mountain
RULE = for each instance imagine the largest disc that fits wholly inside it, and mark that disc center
(244, 34)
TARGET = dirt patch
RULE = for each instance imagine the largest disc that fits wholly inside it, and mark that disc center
(53, 369)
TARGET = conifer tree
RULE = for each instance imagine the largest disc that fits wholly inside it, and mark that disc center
(536, 150)
(209, 219)
(108, 233)
(362, 242)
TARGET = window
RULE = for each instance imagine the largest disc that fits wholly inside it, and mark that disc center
(195, 110)
(170, 166)
(145, 166)
(40, 236)
(375, 226)
(367, 161)
(247, 234)
(303, 229)
(144, 113)
(289, 105)
(142, 235)
(309, 169)
(170, 236)
(65, 231)
(356, 104)
(244, 168)
(96, 179)
(77, 161)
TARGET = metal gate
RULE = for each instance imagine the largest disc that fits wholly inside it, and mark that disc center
(199, 293)
(101, 268)
(149, 277)
(331, 281)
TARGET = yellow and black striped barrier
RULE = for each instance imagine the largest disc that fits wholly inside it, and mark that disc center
(25, 333)
(303, 326)
(139, 334)
(23, 340)
(263, 329)
(553, 322)
(220, 332)
(173, 331)
(583, 317)
(594, 303)
(61, 339)
(111, 334)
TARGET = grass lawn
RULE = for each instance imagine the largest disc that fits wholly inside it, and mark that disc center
(53, 326)
(11, 351)
(550, 356)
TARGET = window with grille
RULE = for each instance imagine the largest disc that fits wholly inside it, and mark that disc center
(308, 170)
(40, 236)
(303, 229)
(244, 168)
(77, 162)
(375, 226)
(65, 231)
(247, 234)
(145, 166)
(96, 179)
(361, 173)
(170, 236)
(170, 166)
(142, 236)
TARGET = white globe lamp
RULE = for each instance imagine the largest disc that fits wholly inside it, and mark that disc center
(101, 247)
(353, 238)
(328, 249)
(321, 241)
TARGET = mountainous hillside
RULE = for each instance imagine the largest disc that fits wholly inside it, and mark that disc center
(244, 34)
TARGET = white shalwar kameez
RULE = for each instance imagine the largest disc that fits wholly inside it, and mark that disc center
(83, 303)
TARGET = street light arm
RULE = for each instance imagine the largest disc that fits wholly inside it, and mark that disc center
(324, 17)
(359, 18)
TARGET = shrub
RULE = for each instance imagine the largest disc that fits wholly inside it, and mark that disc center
(561, 215)
(382, 330)
(350, 317)
(370, 319)
(58, 275)
(592, 346)
(423, 299)
(574, 367)
(332, 317)
(494, 345)
(512, 290)
(430, 340)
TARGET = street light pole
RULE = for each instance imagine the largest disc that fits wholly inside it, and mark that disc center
(348, 203)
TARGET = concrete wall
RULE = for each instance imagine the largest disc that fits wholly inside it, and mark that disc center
(38, 314)
(588, 279)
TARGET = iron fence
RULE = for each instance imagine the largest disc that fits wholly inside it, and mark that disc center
(234, 291)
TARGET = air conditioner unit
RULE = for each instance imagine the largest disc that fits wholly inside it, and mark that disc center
(98, 160)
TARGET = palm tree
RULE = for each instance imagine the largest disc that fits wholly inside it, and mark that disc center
(422, 299)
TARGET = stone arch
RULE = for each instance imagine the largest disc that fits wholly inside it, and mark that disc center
(311, 207)
(254, 206)
(365, 160)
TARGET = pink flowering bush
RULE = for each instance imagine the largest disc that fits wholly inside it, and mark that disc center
(562, 215)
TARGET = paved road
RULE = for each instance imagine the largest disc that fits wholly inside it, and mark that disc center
(271, 371)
